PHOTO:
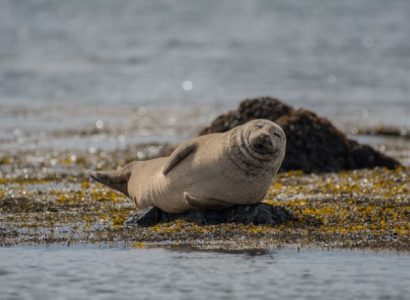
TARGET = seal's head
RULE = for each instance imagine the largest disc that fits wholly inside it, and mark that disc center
(258, 144)
(265, 139)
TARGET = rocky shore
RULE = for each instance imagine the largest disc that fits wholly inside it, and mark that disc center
(367, 209)
(45, 196)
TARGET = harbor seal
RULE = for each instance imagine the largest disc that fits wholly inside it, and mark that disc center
(213, 171)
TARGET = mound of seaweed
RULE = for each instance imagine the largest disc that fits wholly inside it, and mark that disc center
(313, 143)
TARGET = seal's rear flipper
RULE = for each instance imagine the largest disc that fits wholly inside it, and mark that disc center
(199, 203)
(117, 180)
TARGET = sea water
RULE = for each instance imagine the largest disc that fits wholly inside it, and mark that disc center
(89, 272)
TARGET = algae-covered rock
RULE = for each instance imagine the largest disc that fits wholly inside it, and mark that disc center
(314, 144)
(257, 214)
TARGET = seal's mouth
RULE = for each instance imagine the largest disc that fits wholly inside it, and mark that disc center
(263, 148)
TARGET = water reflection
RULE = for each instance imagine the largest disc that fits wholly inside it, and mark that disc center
(221, 249)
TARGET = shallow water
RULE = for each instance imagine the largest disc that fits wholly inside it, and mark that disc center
(84, 272)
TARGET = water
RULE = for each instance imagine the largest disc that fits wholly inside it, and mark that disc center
(349, 58)
(65, 65)
(83, 272)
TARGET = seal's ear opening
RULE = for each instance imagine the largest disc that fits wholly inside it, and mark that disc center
(118, 180)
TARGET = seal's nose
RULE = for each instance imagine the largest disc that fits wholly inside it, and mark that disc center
(262, 138)
(262, 142)
(266, 139)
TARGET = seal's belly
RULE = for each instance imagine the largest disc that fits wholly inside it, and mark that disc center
(219, 179)
(170, 197)
(232, 188)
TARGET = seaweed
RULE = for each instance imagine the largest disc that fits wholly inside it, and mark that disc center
(367, 209)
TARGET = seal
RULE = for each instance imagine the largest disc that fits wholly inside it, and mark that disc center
(213, 171)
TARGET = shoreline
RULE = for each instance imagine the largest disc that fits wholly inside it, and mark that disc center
(225, 247)
(46, 197)
(364, 209)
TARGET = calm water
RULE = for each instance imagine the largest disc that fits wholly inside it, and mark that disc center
(113, 273)
(66, 65)
(319, 54)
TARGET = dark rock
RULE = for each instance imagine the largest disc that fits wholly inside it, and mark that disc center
(257, 214)
(145, 217)
(258, 108)
(313, 143)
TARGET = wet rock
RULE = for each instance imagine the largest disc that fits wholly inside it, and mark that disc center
(314, 144)
(257, 214)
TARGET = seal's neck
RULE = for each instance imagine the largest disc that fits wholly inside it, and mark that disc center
(237, 149)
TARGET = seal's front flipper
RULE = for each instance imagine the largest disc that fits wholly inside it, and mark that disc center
(202, 203)
(179, 154)
(117, 180)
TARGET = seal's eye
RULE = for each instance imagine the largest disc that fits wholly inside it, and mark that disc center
(259, 126)
(277, 135)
